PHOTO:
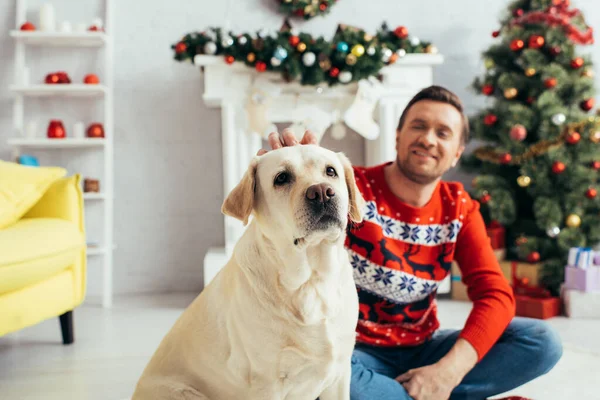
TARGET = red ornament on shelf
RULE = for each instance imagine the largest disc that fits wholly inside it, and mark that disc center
(490, 119)
(536, 41)
(334, 72)
(91, 79)
(180, 48)
(577, 63)
(505, 158)
(401, 32)
(591, 193)
(558, 167)
(95, 130)
(518, 132)
(588, 104)
(261, 66)
(229, 59)
(52, 78)
(28, 26)
(555, 51)
(56, 129)
(488, 90)
(517, 44)
(596, 165)
(550, 83)
(533, 257)
(573, 138)
(495, 34)
(294, 40)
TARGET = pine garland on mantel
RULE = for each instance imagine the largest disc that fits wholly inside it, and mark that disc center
(352, 55)
(306, 9)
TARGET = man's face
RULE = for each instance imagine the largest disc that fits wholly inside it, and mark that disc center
(429, 143)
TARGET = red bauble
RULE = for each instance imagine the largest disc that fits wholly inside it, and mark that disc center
(490, 119)
(555, 51)
(588, 104)
(91, 79)
(596, 165)
(52, 78)
(28, 26)
(558, 167)
(401, 32)
(577, 63)
(488, 90)
(505, 158)
(495, 34)
(294, 40)
(536, 41)
(550, 83)
(518, 12)
(573, 138)
(533, 257)
(323, 7)
(518, 132)
(530, 100)
(229, 59)
(56, 129)
(517, 44)
(334, 72)
(95, 130)
(63, 77)
(485, 198)
(180, 48)
(591, 193)
(261, 66)
(94, 28)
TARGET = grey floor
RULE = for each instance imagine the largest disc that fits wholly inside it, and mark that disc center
(113, 346)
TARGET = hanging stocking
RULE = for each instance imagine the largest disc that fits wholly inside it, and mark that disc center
(359, 115)
(338, 129)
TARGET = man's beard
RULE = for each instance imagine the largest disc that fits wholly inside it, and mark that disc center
(413, 176)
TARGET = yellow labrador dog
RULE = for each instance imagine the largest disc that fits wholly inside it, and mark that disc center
(278, 321)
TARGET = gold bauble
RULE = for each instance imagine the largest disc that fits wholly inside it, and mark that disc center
(573, 221)
(358, 50)
(431, 49)
(489, 63)
(351, 59)
(251, 57)
(368, 37)
(511, 93)
(530, 72)
(308, 10)
(524, 181)
(325, 64)
(595, 137)
(301, 47)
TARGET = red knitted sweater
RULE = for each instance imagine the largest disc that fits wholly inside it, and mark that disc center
(401, 254)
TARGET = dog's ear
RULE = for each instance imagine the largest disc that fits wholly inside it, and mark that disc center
(357, 202)
(240, 201)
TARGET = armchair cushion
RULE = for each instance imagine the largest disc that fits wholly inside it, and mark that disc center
(21, 187)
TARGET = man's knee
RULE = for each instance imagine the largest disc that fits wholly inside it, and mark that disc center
(543, 340)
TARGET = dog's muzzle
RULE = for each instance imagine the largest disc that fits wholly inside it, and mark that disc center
(323, 206)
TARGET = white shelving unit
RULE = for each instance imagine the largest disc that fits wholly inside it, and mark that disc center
(102, 92)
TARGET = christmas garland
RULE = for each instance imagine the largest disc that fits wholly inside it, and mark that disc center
(305, 8)
(352, 55)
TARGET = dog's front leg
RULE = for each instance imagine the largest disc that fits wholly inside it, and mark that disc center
(340, 388)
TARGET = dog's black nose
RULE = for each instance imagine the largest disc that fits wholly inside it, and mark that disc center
(321, 192)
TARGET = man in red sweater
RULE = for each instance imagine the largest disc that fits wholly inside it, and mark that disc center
(415, 225)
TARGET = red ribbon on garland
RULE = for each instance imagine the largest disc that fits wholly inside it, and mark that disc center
(559, 15)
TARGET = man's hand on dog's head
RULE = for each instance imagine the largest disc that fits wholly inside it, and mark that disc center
(287, 138)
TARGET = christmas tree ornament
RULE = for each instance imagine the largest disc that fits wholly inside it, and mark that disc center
(210, 48)
(553, 231)
(555, 51)
(334, 72)
(518, 12)
(591, 193)
(386, 54)
(489, 63)
(559, 119)
(351, 59)
(180, 48)
(358, 50)
(536, 41)
(280, 53)
(301, 47)
(229, 59)
(342, 47)
(400, 53)
(324, 62)
(371, 50)
(359, 116)
(573, 138)
(558, 167)
(261, 66)
(294, 40)
(401, 32)
(573, 221)
(588, 73)
(533, 257)
(577, 63)
(529, 72)
(588, 104)
(485, 198)
(28, 26)
(596, 165)
(275, 62)
(517, 45)
(91, 79)
(595, 137)
(495, 34)
(511, 93)
(227, 41)
(345, 76)
(309, 58)
(505, 158)
(368, 37)
(415, 41)
(518, 132)
(550, 83)
(521, 240)
(56, 130)
(490, 119)
(488, 89)
(242, 40)
(251, 57)
(431, 49)
(524, 181)
(95, 130)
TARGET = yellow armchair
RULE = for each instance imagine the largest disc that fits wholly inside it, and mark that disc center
(43, 260)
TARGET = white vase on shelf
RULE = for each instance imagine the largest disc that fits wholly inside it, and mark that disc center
(47, 19)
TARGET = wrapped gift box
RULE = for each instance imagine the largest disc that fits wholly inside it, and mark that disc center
(528, 271)
(497, 235)
(584, 279)
(580, 304)
(581, 257)
(537, 307)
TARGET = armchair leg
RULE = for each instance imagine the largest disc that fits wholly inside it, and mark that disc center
(66, 327)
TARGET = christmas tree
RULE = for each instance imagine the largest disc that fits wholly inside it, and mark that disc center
(537, 170)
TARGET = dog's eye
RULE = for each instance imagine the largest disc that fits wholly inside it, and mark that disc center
(282, 178)
(331, 171)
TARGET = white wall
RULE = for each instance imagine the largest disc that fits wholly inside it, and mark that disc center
(167, 143)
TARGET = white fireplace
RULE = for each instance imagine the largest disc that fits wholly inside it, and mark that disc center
(228, 87)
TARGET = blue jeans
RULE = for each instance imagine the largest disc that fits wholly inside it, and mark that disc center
(527, 349)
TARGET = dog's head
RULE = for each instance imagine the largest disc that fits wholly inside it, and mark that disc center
(298, 193)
